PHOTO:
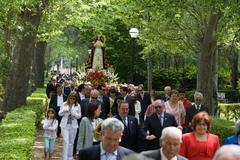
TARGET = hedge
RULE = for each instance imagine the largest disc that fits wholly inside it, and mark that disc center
(230, 111)
(18, 129)
(223, 128)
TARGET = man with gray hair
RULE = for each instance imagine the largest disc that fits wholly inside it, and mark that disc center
(191, 111)
(155, 123)
(228, 152)
(108, 149)
(170, 142)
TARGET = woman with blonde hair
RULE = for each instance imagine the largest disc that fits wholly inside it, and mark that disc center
(70, 112)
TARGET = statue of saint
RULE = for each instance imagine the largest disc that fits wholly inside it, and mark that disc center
(96, 58)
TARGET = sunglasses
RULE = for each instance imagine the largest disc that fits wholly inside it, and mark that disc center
(72, 98)
(156, 107)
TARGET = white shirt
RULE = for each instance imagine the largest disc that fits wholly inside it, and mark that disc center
(50, 128)
(82, 96)
(163, 157)
(137, 106)
(60, 100)
(104, 155)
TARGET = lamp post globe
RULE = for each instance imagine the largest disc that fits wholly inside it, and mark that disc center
(133, 32)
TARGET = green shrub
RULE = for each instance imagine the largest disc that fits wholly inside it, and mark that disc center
(223, 128)
(230, 111)
(18, 129)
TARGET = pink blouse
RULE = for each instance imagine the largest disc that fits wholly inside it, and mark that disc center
(177, 111)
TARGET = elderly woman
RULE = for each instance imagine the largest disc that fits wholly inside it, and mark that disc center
(234, 139)
(199, 144)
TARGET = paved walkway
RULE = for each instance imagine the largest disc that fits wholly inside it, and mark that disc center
(39, 145)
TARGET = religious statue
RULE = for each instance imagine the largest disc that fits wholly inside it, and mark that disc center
(96, 59)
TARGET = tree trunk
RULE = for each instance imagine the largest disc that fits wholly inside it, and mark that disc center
(234, 68)
(149, 69)
(18, 83)
(206, 80)
(38, 63)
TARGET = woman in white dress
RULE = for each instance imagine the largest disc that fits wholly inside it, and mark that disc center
(98, 55)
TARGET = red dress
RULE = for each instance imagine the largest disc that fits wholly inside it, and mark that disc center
(194, 149)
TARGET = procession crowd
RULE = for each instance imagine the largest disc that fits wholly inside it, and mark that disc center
(110, 123)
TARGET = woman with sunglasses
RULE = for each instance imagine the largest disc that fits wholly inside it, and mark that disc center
(70, 112)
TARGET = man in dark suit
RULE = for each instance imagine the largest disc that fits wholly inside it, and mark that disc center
(51, 87)
(131, 129)
(111, 133)
(56, 102)
(124, 93)
(81, 93)
(170, 141)
(194, 109)
(155, 123)
(167, 92)
(145, 100)
(93, 97)
(104, 100)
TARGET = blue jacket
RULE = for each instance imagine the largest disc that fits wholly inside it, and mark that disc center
(232, 140)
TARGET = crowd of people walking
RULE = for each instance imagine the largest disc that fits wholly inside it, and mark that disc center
(112, 123)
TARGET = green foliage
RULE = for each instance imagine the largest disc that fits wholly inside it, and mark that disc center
(230, 111)
(175, 78)
(223, 128)
(4, 72)
(18, 129)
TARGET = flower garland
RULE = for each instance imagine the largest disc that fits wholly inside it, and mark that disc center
(96, 78)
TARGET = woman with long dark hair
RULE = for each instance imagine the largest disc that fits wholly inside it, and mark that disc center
(88, 125)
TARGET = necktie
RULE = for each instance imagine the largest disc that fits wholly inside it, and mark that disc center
(198, 108)
(109, 156)
(125, 121)
(161, 121)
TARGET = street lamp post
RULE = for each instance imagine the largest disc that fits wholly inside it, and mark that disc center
(76, 63)
(71, 65)
(134, 34)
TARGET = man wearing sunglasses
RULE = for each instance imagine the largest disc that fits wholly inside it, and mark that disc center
(155, 123)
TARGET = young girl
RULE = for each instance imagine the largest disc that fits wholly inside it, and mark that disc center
(50, 129)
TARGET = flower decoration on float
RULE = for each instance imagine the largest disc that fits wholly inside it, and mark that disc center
(96, 78)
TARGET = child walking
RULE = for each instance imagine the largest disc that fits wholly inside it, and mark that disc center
(50, 125)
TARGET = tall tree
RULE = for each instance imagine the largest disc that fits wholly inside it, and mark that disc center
(38, 65)
(18, 83)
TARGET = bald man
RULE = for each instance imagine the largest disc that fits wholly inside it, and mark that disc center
(228, 152)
